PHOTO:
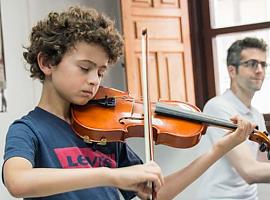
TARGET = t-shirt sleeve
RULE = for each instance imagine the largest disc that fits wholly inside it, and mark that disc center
(128, 158)
(20, 142)
(219, 109)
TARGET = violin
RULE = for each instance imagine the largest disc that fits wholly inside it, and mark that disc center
(116, 116)
(113, 116)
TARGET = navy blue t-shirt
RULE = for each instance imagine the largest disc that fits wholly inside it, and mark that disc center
(49, 142)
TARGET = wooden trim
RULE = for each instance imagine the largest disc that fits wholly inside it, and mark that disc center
(201, 52)
(155, 12)
(267, 121)
(126, 31)
(189, 71)
(208, 48)
(196, 40)
(235, 29)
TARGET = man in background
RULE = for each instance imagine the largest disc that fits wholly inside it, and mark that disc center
(235, 175)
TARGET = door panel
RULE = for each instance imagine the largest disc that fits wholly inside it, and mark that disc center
(170, 63)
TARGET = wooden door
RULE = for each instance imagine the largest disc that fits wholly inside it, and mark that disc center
(170, 63)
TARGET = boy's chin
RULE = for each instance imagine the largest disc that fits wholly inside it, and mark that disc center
(81, 103)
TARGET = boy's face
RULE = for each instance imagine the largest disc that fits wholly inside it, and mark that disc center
(77, 77)
(250, 78)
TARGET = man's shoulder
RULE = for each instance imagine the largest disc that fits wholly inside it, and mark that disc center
(220, 106)
(215, 100)
(218, 102)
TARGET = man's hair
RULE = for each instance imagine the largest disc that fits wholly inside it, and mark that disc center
(234, 52)
(61, 31)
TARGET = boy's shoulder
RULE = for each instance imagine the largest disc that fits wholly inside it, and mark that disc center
(33, 120)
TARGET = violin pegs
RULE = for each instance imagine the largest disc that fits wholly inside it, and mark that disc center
(266, 133)
(263, 147)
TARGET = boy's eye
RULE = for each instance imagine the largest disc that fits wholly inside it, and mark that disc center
(84, 68)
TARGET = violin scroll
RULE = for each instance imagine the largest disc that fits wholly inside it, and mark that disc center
(262, 139)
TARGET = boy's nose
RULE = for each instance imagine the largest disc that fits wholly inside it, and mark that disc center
(93, 77)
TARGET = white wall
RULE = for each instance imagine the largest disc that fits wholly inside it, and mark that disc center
(22, 93)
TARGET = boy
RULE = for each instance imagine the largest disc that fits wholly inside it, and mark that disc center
(70, 52)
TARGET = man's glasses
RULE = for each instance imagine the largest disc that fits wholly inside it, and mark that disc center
(253, 64)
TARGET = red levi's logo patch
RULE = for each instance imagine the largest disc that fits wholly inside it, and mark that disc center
(74, 157)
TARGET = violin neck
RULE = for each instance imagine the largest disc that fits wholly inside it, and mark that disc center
(177, 112)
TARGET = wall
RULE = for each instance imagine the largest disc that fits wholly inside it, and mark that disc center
(20, 95)
(23, 94)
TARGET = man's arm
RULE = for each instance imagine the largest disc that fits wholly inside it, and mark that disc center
(241, 157)
(251, 170)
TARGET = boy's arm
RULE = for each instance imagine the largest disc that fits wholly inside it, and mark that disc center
(178, 181)
(24, 181)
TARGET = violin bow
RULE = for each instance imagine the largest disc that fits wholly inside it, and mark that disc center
(148, 132)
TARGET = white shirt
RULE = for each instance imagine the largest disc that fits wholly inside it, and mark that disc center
(222, 181)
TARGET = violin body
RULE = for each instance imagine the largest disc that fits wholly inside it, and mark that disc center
(105, 120)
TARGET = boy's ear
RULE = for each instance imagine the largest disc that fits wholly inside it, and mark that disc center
(43, 63)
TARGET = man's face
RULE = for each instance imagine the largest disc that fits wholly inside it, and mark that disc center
(249, 76)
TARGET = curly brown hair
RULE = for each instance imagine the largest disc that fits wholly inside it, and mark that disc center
(60, 31)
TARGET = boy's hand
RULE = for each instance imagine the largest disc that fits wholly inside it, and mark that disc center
(236, 137)
(137, 177)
